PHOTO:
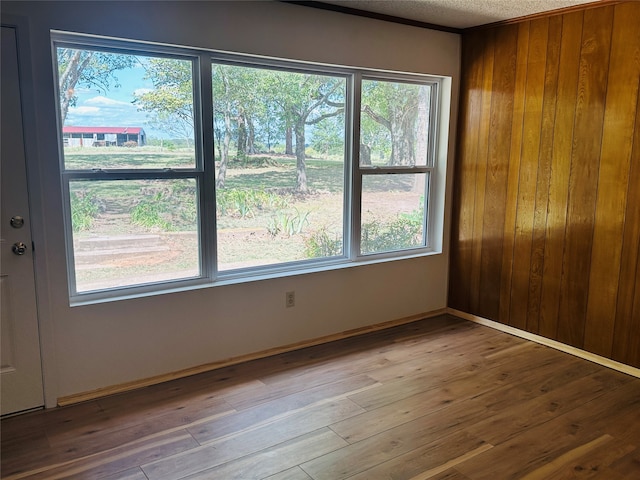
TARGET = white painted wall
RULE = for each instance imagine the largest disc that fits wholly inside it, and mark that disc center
(93, 346)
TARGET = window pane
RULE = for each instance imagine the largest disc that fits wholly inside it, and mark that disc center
(279, 148)
(392, 212)
(131, 232)
(394, 124)
(125, 111)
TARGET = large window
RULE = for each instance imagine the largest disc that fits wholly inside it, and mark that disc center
(183, 167)
(279, 142)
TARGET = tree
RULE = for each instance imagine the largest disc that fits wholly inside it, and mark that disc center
(328, 136)
(87, 68)
(305, 99)
(222, 104)
(244, 97)
(170, 103)
(397, 108)
(269, 125)
(236, 94)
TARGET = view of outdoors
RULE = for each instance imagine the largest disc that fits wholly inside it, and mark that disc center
(279, 147)
(135, 182)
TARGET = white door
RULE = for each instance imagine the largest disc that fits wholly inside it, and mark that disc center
(20, 369)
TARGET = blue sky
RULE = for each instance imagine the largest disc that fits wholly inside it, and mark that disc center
(113, 108)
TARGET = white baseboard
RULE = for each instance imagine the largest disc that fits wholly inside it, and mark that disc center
(592, 357)
(145, 382)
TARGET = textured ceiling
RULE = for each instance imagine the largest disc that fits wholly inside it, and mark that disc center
(457, 13)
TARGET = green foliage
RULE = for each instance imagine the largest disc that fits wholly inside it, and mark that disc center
(405, 231)
(168, 209)
(170, 103)
(87, 68)
(322, 244)
(392, 115)
(151, 212)
(244, 203)
(328, 136)
(288, 223)
(84, 210)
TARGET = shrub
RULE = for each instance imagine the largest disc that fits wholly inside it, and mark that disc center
(286, 223)
(169, 209)
(322, 244)
(84, 210)
(242, 203)
(405, 231)
(150, 212)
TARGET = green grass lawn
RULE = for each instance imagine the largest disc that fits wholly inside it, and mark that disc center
(260, 217)
(121, 157)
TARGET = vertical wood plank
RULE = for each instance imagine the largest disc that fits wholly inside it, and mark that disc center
(566, 260)
(585, 159)
(515, 153)
(464, 190)
(626, 337)
(481, 169)
(538, 37)
(627, 326)
(633, 355)
(544, 173)
(560, 168)
(617, 144)
(497, 169)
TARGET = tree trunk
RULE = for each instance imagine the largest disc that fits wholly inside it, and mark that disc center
(365, 154)
(288, 149)
(224, 157)
(403, 141)
(217, 134)
(301, 167)
(242, 137)
(251, 137)
(422, 142)
(69, 80)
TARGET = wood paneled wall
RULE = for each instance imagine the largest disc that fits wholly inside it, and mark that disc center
(546, 225)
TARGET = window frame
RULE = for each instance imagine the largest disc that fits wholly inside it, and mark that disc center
(204, 171)
(197, 172)
(240, 60)
(359, 171)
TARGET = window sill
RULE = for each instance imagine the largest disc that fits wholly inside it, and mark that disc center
(235, 278)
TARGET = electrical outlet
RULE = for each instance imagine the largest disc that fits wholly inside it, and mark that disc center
(290, 299)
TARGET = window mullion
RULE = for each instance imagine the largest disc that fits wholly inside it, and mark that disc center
(394, 170)
(68, 225)
(356, 175)
(207, 221)
(129, 174)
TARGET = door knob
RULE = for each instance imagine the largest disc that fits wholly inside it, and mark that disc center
(19, 248)
(17, 221)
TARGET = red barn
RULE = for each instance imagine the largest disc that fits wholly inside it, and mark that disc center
(102, 136)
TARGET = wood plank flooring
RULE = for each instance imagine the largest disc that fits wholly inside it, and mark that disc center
(441, 399)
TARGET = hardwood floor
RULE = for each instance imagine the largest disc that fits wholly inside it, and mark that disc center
(440, 399)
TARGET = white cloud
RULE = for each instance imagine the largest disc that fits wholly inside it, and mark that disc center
(84, 110)
(106, 102)
(141, 91)
(102, 111)
(83, 90)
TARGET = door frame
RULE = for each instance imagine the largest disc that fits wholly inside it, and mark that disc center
(36, 202)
